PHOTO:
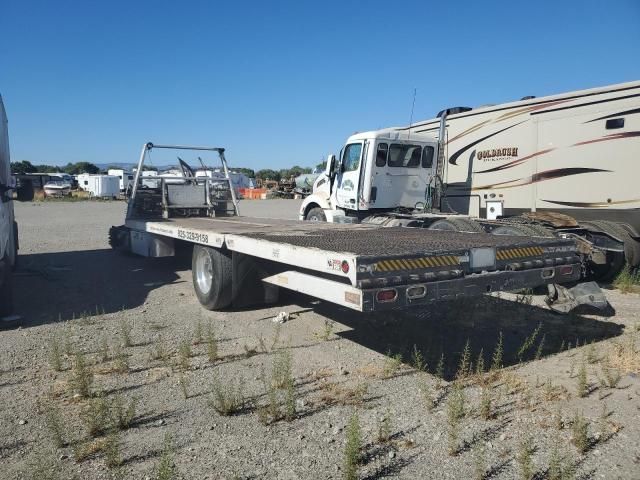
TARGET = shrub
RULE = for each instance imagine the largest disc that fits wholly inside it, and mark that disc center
(524, 458)
(55, 354)
(125, 332)
(81, 377)
(352, 448)
(228, 399)
(580, 432)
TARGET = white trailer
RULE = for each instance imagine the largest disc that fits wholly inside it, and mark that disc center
(567, 163)
(238, 260)
(125, 176)
(100, 186)
(8, 225)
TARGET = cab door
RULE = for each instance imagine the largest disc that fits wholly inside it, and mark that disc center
(348, 177)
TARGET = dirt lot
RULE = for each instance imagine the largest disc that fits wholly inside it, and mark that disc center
(553, 411)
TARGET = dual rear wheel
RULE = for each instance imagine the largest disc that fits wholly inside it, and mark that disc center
(211, 269)
(615, 261)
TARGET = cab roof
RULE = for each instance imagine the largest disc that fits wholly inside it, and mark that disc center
(392, 135)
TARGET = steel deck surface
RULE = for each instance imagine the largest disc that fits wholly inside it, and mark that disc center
(359, 240)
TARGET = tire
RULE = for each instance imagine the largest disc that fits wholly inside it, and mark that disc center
(615, 261)
(211, 270)
(316, 215)
(457, 225)
(120, 239)
(515, 230)
(541, 231)
(631, 247)
(6, 291)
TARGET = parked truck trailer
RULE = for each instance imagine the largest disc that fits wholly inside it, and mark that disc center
(238, 260)
(557, 165)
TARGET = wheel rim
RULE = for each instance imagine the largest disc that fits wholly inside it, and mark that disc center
(313, 218)
(204, 272)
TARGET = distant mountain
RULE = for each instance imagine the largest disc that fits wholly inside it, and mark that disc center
(131, 166)
(128, 166)
(123, 165)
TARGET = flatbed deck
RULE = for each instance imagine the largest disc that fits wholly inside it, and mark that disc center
(354, 239)
(369, 251)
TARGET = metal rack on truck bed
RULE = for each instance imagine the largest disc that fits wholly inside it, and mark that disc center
(243, 260)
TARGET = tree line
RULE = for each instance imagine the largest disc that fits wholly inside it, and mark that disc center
(25, 166)
(284, 173)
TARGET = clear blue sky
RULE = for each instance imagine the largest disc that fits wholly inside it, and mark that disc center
(283, 83)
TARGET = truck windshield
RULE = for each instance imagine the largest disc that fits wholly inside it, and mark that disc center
(402, 155)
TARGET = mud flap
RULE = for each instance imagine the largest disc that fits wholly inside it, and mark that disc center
(247, 285)
(562, 300)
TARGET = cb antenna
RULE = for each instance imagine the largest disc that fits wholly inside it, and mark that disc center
(413, 104)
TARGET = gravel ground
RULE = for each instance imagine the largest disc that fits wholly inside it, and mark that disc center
(75, 293)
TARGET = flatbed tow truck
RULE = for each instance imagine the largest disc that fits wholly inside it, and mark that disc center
(239, 261)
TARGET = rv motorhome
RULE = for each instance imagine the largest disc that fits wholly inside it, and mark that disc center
(126, 177)
(8, 225)
(563, 164)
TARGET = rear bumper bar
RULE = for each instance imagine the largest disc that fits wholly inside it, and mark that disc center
(471, 285)
(416, 294)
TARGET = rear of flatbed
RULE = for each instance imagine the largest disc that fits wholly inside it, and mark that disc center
(370, 268)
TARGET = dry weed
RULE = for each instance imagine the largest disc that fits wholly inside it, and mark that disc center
(340, 394)
(624, 356)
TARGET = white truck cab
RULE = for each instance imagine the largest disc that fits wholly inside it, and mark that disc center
(376, 171)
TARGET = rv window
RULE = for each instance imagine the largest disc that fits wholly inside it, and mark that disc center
(427, 157)
(381, 155)
(404, 155)
(86, 182)
(351, 157)
(614, 123)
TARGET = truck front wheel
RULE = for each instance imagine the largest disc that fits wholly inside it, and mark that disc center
(316, 215)
(212, 276)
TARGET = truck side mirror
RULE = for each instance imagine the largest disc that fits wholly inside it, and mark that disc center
(330, 169)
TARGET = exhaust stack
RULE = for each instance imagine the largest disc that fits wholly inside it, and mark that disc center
(442, 131)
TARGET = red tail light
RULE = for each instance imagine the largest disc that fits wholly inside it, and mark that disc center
(566, 270)
(344, 266)
(387, 295)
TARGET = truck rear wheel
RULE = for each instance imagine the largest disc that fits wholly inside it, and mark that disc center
(631, 247)
(615, 260)
(522, 231)
(457, 225)
(211, 270)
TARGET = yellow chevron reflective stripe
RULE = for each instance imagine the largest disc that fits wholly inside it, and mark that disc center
(518, 253)
(416, 263)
